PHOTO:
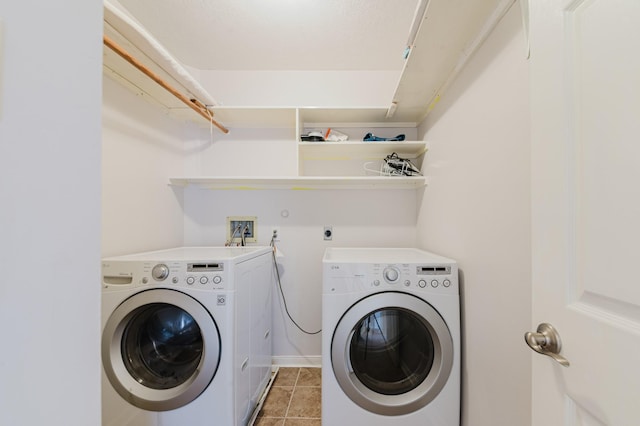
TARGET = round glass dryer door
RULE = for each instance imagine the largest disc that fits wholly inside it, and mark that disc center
(392, 353)
(160, 349)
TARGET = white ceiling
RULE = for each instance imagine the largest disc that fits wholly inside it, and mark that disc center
(280, 34)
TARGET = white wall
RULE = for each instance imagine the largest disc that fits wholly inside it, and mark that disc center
(244, 152)
(50, 212)
(476, 209)
(301, 88)
(359, 218)
(141, 148)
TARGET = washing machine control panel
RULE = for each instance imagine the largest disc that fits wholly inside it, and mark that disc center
(207, 274)
(428, 277)
(202, 275)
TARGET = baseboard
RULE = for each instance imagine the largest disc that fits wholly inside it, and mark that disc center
(297, 361)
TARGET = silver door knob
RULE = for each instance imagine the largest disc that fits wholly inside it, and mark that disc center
(546, 341)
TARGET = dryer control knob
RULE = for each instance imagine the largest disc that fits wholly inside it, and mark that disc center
(160, 272)
(391, 274)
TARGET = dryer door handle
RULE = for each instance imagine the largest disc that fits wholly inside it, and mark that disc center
(546, 341)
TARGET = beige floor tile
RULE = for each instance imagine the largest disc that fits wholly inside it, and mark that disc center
(302, 422)
(294, 399)
(309, 377)
(269, 421)
(287, 376)
(277, 401)
(305, 402)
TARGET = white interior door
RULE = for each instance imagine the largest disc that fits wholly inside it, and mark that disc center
(585, 70)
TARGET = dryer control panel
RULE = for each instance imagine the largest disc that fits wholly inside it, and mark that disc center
(347, 277)
(408, 275)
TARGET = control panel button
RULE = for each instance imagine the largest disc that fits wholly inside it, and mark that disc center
(376, 283)
(191, 280)
(160, 272)
(204, 280)
(217, 279)
(174, 280)
(145, 280)
(434, 283)
(446, 283)
(391, 274)
(407, 283)
(422, 283)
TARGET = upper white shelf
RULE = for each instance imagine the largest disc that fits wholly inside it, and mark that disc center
(300, 183)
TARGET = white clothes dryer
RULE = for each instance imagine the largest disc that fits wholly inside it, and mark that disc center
(391, 338)
(177, 346)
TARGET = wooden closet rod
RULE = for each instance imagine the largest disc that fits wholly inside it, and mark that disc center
(194, 104)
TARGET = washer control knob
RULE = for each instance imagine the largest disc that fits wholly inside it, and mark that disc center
(217, 279)
(160, 272)
(391, 274)
(446, 283)
(422, 283)
(407, 283)
(434, 283)
(191, 280)
(204, 280)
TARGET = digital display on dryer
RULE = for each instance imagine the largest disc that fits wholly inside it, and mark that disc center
(203, 267)
(433, 270)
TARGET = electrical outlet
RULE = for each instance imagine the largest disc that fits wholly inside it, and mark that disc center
(328, 233)
(239, 226)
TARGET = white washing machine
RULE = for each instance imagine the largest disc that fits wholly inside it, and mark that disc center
(391, 338)
(186, 336)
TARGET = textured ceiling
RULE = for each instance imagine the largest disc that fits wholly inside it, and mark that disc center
(280, 34)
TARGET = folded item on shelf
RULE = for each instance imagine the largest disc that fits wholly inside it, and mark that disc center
(335, 136)
(370, 137)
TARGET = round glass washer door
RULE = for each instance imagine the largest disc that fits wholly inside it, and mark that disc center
(392, 353)
(160, 349)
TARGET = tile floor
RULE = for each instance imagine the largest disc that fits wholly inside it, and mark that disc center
(294, 399)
